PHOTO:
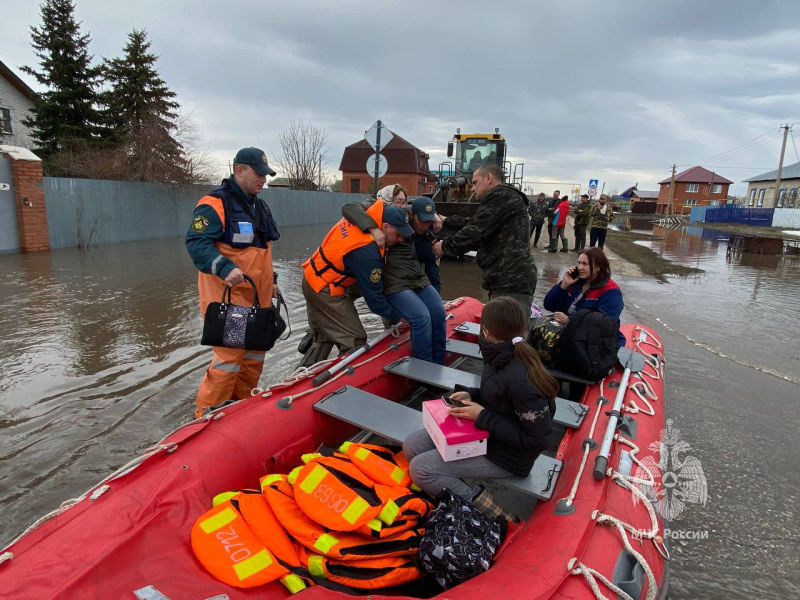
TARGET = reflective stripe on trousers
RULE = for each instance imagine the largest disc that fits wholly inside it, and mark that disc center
(233, 373)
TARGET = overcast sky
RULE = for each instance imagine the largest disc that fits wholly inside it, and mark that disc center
(613, 90)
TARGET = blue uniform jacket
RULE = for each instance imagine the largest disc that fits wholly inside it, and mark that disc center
(366, 265)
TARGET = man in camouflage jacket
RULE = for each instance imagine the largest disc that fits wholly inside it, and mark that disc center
(500, 232)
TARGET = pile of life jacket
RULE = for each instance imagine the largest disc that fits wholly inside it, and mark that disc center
(347, 519)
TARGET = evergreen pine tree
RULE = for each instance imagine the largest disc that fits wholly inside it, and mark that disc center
(140, 113)
(65, 114)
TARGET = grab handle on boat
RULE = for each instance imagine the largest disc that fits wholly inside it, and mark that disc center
(327, 374)
(633, 363)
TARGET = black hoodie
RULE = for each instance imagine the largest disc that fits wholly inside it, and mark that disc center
(516, 414)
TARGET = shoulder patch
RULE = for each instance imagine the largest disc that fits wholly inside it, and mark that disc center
(199, 224)
(375, 276)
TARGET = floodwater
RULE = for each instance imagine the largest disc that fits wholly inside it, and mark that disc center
(100, 358)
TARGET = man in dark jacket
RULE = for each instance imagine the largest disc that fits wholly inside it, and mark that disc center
(500, 232)
(551, 211)
(581, 222)
(537, 211)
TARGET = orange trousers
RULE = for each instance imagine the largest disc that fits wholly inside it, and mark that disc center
(232, 375)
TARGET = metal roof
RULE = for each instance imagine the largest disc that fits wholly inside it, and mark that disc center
(696, 175)
(788, 172)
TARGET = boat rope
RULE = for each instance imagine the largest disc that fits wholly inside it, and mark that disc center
(293, 397)
(576, 567)
(645, 392)
(587, 447)
(94, 492)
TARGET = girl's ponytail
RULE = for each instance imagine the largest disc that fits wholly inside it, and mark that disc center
(537, 373)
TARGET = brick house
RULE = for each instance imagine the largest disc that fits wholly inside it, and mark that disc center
(16, 101)
(693, 187)
(761, 189)
(408, 166)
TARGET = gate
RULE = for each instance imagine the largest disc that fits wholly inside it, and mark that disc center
(9, 236)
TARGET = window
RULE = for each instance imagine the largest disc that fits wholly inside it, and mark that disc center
(761, 193)
(5, 120)
(790, 202)
(692, 187)
(355, 186)
(717, 188)
(689, 202)
(782, 197)
(752, 199)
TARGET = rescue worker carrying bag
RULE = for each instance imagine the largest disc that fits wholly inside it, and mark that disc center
(249, 328)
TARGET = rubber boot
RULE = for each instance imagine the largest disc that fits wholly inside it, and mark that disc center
(486, 503)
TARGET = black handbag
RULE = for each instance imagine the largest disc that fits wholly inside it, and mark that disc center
(248, 327)
(544, 336)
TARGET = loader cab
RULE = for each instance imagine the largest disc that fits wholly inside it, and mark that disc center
(470, 151)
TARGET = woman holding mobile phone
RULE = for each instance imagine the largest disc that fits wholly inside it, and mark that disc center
(586, 286)
(515, 404)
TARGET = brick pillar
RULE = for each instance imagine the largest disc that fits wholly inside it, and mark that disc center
(26, 171)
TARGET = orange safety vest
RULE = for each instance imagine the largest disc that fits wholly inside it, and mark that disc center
(379, 463)
(326, 265)
(255, 262)
(333, 544)
(369, 574)
(227, 547)
(335, 493)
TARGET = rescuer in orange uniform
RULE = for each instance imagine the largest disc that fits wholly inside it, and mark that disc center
(346, 256)
(230, 236)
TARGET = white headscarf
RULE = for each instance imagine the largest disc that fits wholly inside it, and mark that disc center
(385, 194)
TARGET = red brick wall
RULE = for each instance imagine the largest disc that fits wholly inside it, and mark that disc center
(31, 210)
(411, 181)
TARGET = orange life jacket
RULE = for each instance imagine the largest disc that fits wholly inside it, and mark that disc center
(333, 544)
(401, 504)
(379, 463)
(368, 574)
(230, 551)
(326, 265)
(335, 493)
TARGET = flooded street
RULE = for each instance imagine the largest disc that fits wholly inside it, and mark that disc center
(100, 358)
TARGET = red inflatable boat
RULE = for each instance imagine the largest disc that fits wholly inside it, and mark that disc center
(597, 536)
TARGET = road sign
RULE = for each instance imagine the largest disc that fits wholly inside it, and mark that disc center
(383, 164)
(372, 135)
(592, 191)
(593, 183)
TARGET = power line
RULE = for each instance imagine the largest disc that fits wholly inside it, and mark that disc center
(794, 146)
(721, 154)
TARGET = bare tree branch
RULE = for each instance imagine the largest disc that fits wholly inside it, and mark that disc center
(303, 152)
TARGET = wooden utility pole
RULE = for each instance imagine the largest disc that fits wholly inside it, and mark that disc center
(671, 192)
(711, 187)
(786, 129)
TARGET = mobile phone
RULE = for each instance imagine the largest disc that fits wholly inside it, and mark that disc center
(573, 272)
(452, 403)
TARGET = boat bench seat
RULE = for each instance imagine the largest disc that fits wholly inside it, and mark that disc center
(569, 414)
(471, 350)
(394, 422)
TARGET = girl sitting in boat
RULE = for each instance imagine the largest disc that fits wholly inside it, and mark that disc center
(515, 404)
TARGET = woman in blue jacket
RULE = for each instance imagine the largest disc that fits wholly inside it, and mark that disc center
(585, 286)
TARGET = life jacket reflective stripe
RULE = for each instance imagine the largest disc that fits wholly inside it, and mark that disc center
(401, 503)
(320, 540)
(227, 547)
(378, 530)
(326, 266)
(368, 574)
(335, 493)
(379, 463)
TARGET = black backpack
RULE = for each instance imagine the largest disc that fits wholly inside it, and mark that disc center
(459, 542)
(588, 346)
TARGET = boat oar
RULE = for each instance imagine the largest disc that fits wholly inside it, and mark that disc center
(633, 363)
(354, 354)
